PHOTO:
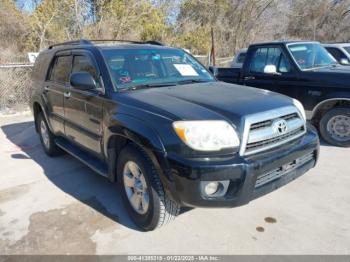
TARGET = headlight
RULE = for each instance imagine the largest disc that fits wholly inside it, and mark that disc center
(300, 108)
(207, 135)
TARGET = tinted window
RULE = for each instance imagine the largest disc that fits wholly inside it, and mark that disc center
(135, 67)
(85, 64)
(241, 58)
(347, 48)
(269, 56)
(259, 60)
(40, 67)
(336, 53)
(61, 69)
(284, 66)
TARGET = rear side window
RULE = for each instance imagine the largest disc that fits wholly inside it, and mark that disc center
(38, 68)
(61, 69)
(241, 58)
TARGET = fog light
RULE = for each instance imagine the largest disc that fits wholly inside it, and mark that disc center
(211, 188)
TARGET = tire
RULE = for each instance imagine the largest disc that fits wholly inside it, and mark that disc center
(48, 140)
(332, 135)
(160, 209)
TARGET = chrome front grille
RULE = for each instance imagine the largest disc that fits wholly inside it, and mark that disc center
(269, 122)
(270, 129)
(271, 141)
(283, 170)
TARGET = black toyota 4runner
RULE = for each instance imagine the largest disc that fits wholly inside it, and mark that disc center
(153, 119)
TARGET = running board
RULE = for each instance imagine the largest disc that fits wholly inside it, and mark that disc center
(93, 162)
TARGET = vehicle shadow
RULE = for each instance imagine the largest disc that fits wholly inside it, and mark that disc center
(69, 174)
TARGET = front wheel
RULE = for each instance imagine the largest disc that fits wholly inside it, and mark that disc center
(335, 126)
(47, 139)
(142, 191)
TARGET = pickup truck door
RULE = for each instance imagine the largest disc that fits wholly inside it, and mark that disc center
(55, 86)
(253, 71)
(83, 109)
(287, 80)
(294, 83)
(284, 81)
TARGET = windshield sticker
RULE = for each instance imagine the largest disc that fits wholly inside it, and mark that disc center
(125, 79)
(185, 70)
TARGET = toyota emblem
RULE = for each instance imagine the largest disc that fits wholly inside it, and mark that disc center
(280, 126)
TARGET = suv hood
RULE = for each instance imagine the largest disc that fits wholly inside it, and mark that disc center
(212, 100)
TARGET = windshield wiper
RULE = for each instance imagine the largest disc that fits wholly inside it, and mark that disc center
(190, 81)
(151, 85)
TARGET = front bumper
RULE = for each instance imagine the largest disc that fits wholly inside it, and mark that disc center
(187, 176)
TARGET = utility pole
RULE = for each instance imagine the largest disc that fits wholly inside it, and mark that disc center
(212, 52)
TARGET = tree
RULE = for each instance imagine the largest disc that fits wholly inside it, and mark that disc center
(323, 20)
(55, 21)
(235, 23)
(128, 19)
(13, 25)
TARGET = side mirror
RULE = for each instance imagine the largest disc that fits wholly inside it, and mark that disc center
(344, 61)
(82, 81)
(271, 69)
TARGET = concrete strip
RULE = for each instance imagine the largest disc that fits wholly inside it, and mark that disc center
(59, 206)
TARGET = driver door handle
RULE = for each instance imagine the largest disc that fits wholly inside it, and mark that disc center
(66, 94)
(249, 78)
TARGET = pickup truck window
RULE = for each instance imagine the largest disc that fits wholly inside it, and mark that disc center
(130, 68)
(310, 55)
(269, 56)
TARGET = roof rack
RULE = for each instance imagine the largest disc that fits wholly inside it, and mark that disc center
(75, 42)
(92, 41)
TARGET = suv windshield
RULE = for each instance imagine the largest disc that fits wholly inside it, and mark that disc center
(347, 48)
(150, 67)
(311, 55)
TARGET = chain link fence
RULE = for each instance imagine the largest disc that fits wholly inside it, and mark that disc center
(14, 89)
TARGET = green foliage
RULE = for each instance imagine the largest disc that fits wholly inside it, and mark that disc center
(198, 40)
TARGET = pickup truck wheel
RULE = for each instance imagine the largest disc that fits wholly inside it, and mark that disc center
(335, 127)
(142, 191)
(46, 137)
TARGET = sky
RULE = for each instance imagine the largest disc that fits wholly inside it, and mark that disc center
(27, 5)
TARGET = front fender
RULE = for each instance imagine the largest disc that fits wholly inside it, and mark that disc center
(138, 131)
(332, 97)
(134, 129)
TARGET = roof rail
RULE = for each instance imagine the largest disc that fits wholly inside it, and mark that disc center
(92, 41)
(75, 42)
(150, 42)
